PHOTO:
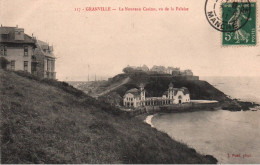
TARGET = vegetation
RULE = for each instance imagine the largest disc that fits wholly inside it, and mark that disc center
(3, 63)
(128, 69)
(155, 85)
(46, 121)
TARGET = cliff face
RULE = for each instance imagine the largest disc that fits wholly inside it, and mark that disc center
(46, 121)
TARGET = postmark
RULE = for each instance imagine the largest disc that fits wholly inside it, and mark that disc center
(220, 20)
(247, 33)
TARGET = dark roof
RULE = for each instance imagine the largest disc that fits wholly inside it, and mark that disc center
(10, 32)
(165, 93)
(141, 85)
(41, 46)
(185, 90)
(4, 30)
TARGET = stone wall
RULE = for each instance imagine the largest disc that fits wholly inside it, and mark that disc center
(173, 108)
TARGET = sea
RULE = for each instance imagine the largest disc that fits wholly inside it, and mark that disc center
(231, 137)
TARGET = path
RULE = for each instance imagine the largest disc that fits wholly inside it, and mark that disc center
(111, 88)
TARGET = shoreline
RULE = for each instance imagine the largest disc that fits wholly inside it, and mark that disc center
(147, 118)
(232, 106)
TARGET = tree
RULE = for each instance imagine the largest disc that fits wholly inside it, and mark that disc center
(128, 69)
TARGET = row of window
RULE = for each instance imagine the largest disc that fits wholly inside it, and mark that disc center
(129, 104)
(129, 99)
(50, 65)
(4, 50)
(25, 65)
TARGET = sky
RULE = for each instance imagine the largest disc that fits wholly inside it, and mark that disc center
(109, 41)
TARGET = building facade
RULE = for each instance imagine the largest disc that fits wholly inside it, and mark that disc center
(17, 47)
(25, 53)
(158, 69)
(142, 68)
(136, 97)
(44, 65)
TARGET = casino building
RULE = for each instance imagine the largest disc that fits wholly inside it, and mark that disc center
(136, 97)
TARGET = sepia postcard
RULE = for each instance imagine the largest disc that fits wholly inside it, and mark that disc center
(130, 81)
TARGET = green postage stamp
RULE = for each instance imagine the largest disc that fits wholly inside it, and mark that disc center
(243, 17)
(235, 19)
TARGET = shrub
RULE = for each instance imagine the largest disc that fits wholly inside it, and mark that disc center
(3, 62)
(27, 75)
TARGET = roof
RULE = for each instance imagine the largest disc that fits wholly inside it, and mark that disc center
(4, 30)
(185, 90)
(41, 46)
(134, 91)
(10, 32)
(175, 91)
(165, 93)
(141, 85)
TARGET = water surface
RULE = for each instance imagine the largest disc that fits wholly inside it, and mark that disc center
(223, 134)
(219, 133)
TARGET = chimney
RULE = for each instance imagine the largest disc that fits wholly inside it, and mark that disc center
(19, 33)
(33, 37)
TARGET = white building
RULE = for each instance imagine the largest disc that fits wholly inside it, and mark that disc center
(136, 97)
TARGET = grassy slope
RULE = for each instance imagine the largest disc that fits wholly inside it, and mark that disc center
(42, 123)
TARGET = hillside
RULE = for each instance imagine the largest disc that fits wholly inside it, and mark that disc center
(45, 121)
(155, 85)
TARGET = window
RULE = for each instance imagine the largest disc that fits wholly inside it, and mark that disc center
(33, 58)
(48, 65)
(26, 51)
(34, 65)
(3, 50)
(4, 36)
(12, 65)
(25, 65)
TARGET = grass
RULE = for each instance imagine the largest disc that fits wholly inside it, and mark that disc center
(46, 121)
